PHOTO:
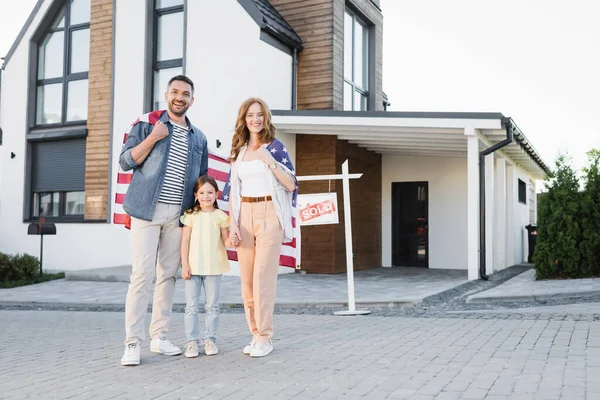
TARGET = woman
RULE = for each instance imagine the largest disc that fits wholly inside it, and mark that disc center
(260, 204)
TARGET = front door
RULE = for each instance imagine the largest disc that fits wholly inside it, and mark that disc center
(410, 220)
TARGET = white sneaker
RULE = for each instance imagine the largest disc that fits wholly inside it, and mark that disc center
(249, 347)
(131, 356)
(262, 349)
(210, 348)
(163, 346)
(191, 349)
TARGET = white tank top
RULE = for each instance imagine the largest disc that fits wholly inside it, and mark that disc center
(254, 181)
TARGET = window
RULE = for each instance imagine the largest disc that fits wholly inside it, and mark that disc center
(356, 63)
(168, 47)
(59, 112)
(63, 58)
(522, 192)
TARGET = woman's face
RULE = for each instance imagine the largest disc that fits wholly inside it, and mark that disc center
(255, 118)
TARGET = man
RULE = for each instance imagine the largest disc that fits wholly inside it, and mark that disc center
(167, 154)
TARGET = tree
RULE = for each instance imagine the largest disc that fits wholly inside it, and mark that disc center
(557, 252)
(590, 216)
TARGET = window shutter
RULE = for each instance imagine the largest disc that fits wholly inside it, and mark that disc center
(59, 165)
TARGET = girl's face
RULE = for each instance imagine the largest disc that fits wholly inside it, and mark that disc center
(255, 118)
(206, 196)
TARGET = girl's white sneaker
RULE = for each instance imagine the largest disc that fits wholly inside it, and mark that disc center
(191, 349)
(210, 348)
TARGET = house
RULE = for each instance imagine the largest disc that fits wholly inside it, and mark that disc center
(81, 71)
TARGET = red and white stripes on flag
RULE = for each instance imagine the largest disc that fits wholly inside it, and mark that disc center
(218, 168)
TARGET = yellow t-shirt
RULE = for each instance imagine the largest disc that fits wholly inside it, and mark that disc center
(207, 252)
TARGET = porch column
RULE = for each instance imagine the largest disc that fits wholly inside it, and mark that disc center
(500, 216)
(489, 213)
(472, 203)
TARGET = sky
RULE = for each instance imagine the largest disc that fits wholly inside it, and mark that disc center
(536, 61)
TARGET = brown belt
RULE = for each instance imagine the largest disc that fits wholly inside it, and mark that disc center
(246, 199)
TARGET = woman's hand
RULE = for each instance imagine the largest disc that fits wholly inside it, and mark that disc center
(264, 155)
(186, 272)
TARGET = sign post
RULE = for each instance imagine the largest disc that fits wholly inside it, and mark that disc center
(41, 228)
(345, 177)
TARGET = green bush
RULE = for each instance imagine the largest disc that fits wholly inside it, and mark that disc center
(557, 252)
(590, 217)
(18, 267)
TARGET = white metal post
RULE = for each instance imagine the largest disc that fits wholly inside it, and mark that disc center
(349, 257)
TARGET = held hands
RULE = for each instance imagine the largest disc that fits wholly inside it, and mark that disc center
(186, 272)
(234, 236)
(159, 132)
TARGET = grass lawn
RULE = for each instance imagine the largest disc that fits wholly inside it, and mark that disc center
(37, 279)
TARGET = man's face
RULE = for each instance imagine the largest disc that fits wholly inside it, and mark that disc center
(179, 97)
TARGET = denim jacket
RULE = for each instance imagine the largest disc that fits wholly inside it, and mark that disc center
(148, 177)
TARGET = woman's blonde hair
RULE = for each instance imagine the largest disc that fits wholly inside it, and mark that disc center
(241, 134)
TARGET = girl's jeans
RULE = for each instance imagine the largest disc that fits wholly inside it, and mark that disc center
(193, 288)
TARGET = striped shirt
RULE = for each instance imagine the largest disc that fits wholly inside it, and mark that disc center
(172, 190)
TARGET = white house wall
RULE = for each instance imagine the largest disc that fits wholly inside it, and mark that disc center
(447, 178)
(521, 217)
(227, 62)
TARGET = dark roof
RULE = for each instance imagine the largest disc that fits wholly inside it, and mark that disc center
(269, 20)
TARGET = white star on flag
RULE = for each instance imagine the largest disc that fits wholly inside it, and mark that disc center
(273, 151)
(284, 160)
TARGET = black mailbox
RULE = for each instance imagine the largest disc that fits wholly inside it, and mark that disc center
(41, 228)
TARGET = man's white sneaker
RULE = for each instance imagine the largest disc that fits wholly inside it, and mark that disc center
(131, 356)
(163, 346)
(191, 349)
(210, 348)
(262, 349)
(249, 347)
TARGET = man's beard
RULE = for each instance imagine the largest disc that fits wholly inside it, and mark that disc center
(178, 113)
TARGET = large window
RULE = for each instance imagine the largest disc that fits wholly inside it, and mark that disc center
(356, 62)
(59, 113)
(62, 68)
(168, 47)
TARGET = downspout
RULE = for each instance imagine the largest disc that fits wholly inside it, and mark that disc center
(507, 122)
(295, 78)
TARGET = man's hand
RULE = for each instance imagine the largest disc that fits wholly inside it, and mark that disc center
(159, 132)
(186, 272)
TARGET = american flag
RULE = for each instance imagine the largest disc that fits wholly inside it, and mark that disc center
(219, 169)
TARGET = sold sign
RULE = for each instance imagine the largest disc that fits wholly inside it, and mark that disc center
(318, 209)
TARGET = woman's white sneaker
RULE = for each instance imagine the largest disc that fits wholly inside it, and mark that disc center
(163, 346)
(248, 349)
(262, 349)
(131, 356)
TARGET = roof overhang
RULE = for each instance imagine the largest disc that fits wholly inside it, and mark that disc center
(414, 133)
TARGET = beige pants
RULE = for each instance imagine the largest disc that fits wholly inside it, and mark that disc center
(258, 256)
(156, 251)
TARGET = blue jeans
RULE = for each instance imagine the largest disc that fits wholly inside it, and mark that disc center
(193, 289)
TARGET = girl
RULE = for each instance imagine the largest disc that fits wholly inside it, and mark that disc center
(261, 207)
(203, 261)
